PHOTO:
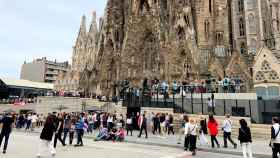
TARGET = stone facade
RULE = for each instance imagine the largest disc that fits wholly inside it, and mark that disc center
(84, 54)
(183, 40)
(167, 40)
(266, 75)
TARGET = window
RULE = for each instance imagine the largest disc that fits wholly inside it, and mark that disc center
(278, 24)
(144, 4)
(210, 6)
(241, 27)
(181, 33)
(261, 92)
(253, 46)
(207, 28)
(265, 66)
(251, 4)
(260, 76)
(219, 38)
(243, 49)
(240, 5)
(264, 26)
(273, 75)
(187, 21)
(252, 23)
(132, 60)
(273, 91)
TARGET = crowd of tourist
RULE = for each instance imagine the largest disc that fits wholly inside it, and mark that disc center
(157, 87)
(113, 127)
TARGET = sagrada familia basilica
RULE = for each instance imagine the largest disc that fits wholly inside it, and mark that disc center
(182, 40)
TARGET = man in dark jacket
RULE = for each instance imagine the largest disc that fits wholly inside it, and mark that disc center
(59, 131)
(7, 123)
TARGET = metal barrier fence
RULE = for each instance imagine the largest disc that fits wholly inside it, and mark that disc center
(189, 103)
(259, 110)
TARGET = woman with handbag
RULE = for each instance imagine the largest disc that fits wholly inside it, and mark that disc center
(46, 137)
(245, 139)
(203, 131)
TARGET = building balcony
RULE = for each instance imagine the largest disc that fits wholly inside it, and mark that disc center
(52, 72)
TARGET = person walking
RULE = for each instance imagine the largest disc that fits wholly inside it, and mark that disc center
(275, 137)
(181, 129)
(34, 120)
(162, 124)
(129, 126)
(66, 128)
(72, 130)
(211, 106)
(227, 128)
(80, 131)
(156, 125)
(7, 124)
(170, 126)
(187, 136)
(28, 122)
(142, 122)
(90, 123)
(192, 129)
(245, 138)
(46, 137)
(59, 131)
(213, 129)
(203, 131)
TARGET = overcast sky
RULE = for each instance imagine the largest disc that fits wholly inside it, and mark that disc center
(32, 29)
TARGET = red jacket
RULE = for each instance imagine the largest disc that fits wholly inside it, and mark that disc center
(213, 128)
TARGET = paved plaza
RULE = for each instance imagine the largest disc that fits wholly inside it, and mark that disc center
(24, 145)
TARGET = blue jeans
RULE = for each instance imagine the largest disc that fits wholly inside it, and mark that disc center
(65, 132)
(80, 133)
(91, 127)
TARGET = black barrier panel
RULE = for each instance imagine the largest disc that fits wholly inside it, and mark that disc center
(260, 111)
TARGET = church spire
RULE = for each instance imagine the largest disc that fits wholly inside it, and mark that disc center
(93, 25)
(82, 32)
